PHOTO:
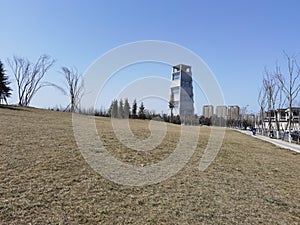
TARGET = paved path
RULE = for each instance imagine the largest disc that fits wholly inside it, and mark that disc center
(278, 142)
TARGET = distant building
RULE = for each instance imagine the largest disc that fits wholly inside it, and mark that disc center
(208, 111)
(233, 112)
(181, 91)
(282, 118)
(221, 111)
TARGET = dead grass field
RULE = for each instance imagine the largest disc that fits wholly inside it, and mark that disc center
(45, 180)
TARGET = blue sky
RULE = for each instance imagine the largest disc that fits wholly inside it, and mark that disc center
(236, 39)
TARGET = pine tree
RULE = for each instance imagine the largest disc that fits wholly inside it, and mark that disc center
(142, 112)
(114, 109)
(121, 109)
(134, 109)
(126, 109)
(4, 88)
(110, 109)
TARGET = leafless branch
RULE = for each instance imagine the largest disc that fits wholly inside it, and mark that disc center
(73, 87)
(291, 87)
(29, 76)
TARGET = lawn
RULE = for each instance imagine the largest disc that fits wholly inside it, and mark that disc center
(44, 179)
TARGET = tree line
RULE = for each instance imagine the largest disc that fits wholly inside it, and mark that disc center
(121, 109)
(243, 123)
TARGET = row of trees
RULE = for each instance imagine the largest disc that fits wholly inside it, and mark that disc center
(122, 110)
(29, 77)
(279, 89)
(222, 122)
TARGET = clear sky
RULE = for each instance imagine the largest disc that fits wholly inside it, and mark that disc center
(235, 38)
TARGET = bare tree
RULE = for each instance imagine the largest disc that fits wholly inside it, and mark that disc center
(271, 90)
(291, 87)
(262, 104)
(29, 76)
(281, 100)
(73, 89)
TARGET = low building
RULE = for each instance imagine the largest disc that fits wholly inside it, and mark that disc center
(279, 119)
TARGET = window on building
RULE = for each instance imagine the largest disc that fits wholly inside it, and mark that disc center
(176, 76)
(175, 90)
(186, 83)
(176, 104)
(175, 69)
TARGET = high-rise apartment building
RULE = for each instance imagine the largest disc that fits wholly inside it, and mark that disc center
(208, 111)
(233, 112)
(221, 111)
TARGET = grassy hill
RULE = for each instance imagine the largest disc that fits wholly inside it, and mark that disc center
(45, 180)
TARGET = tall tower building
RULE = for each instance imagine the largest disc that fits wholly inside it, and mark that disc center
(181, 92)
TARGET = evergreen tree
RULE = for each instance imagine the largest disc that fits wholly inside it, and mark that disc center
(121, 109)
(126, 109)
(114, 109)
(142, 112)
(134, 109)
(110, 109)
(4, 88)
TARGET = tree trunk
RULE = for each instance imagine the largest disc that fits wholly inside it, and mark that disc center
(290, 119)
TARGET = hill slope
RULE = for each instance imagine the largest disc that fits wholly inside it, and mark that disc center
(45, 180)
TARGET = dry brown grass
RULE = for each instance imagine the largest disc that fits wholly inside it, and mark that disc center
(45, 180)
